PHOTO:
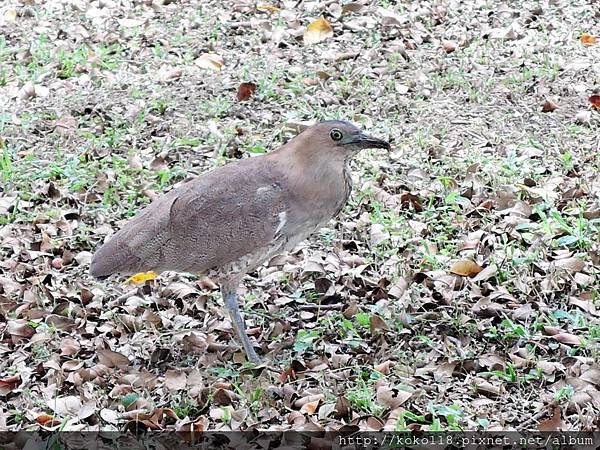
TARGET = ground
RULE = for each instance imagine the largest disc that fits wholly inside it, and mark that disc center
(458, 289)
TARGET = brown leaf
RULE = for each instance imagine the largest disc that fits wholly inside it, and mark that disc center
(449, 46)
(310, 407)
(198, 426)
(588, 39)
(167, 73)
(317, 31)
(592, 375)
(342, 406)
(20, 328)
(549, 106)
(570, 264)
(465, 268)
(555, 423)
(194, 344)
(307, 399)
(595, 101)
(567, 338)
(245, 91)
(287, 374)
(351, 310)
(65, 406)
(47, 420)
(210, 61)
(377, 324)
(384, 367)
(486, 388)
(353, 7)
(9, 384)
(175, 380)
(266, 7)
(112, 359)
(66, 125)
(392, 398)
(223, 397)
(444, 371)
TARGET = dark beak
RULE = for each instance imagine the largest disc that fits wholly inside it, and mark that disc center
(366, 141)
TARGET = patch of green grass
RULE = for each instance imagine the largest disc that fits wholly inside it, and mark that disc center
(185, 406)
(564, 394)
(407, 417)
(305, 340)
(361, 392)
(349, 331)
(6, 167)
(218, 106)
(452, 415)
(18, 417)
(67, 63)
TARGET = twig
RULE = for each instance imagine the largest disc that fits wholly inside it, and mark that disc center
(126, 295)
(318, 307)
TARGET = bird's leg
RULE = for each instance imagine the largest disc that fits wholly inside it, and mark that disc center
(231, 303)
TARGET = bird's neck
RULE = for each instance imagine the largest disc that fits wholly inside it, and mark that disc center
(319, 178)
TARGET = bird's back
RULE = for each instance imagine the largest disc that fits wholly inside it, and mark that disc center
(207, 223)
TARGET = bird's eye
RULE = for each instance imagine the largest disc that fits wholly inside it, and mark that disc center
(335, 134)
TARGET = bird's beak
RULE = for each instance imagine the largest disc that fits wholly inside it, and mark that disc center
(365, 141)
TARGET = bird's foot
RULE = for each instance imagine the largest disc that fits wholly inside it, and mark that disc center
(253, 357)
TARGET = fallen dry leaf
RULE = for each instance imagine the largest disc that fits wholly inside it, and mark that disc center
(210, 61)
(570, 264)
(310, 407)
(588, 39)
(20, 328)
(109, 358)
(65, 406)
(342, 406)
(449, 46)
(47, 420)
(66, 125)
(567, 338)
(377, 324)
(142, 277)
(130, 23)
(384, 367)
(175, 380)
(267, 7)
(318, 31)
(555, 423)
(353, 7)
(245, 91)
(465, 268)
(392, 398)
(8, 384)
(10, 15)
(307, 399)
(549, 106)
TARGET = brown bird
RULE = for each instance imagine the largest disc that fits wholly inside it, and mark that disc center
(227, 222)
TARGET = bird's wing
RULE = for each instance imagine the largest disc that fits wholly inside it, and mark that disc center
(206, 223)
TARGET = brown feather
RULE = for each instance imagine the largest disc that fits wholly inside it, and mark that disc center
(231, 219)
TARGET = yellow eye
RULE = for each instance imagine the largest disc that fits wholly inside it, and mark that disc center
(335, 134)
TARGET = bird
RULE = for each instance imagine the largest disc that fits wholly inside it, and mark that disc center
(228, 221)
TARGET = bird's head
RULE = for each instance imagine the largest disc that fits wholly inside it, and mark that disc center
(341, 137)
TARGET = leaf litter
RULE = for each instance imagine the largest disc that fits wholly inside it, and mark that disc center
(459, 284)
